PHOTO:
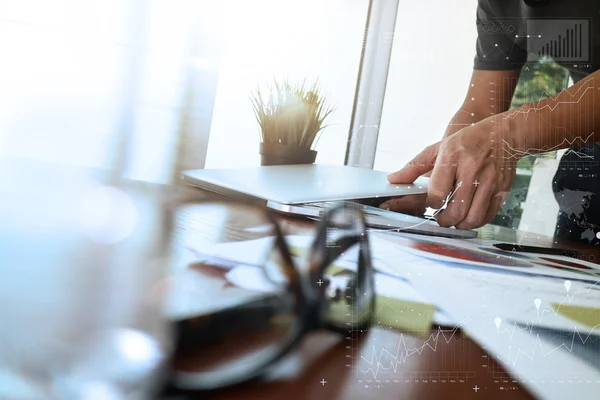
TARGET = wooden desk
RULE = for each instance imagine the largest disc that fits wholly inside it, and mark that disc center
(448, 365)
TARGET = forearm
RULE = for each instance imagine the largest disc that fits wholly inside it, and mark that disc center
(467, 115)
(570, 118)
(489, 93)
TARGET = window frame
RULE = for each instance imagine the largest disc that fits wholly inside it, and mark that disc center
(371, 83)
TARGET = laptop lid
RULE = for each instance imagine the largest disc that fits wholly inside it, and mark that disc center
(298, 184)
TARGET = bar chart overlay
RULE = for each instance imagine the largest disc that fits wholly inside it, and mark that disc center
(566, 40)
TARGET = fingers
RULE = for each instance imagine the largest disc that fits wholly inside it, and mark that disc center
(412, 204)
(495, 205)
(418, 166)
(440, 184)
(459, 168)
(460, 203)
(484, 191)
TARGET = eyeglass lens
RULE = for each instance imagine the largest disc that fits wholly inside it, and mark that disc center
(232, 306)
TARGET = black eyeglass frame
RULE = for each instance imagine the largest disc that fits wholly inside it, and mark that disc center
(310, 297)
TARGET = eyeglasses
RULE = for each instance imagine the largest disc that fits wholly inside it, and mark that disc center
(251, 294)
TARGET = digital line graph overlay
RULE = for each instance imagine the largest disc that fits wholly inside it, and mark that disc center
(576, 97)
(542, 348)
(512, 152)
(573, 131)
(508, 41)
(565, 40)
(506, 53)
(499, 103)
(384, 364)
(584, 153)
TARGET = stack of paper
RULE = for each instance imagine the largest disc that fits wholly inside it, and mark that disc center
(536, 317)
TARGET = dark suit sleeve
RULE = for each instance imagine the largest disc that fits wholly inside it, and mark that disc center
(498, 47)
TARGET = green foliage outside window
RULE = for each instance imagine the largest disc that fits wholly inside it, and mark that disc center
(539, 80)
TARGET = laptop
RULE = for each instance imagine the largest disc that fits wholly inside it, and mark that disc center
(306, 190)
(300, 184)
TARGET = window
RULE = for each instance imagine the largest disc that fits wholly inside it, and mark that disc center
(77, 75)
(430, 69)
(266, 39)
(432, 61)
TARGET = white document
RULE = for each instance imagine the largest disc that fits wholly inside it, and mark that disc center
(502, 312)
(481, 254)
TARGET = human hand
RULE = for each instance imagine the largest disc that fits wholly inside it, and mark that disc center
(473, 166)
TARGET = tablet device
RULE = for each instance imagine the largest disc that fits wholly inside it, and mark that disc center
(379, 219)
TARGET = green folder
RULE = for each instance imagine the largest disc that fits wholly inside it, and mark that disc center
(588, 316)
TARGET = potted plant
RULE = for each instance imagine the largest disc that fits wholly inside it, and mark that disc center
(291, 117)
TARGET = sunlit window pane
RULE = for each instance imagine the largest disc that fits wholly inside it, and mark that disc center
(266, 39)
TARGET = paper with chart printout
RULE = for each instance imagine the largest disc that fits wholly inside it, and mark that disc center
(543, 329)
(479, 253)
(550, 281)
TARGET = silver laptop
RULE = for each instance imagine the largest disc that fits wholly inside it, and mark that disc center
(305, 190)
(299, 184)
